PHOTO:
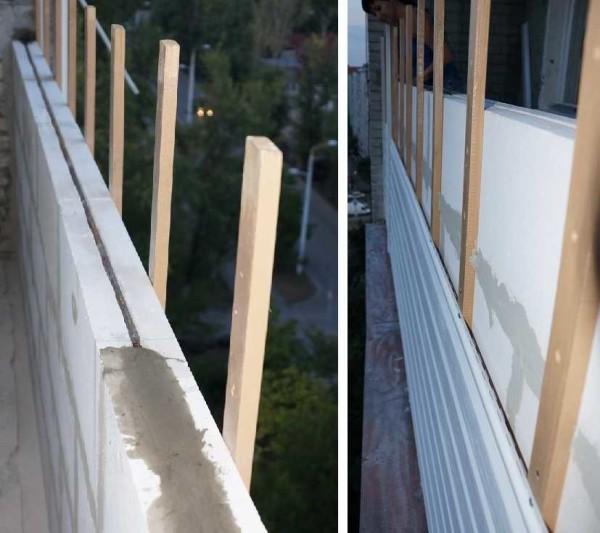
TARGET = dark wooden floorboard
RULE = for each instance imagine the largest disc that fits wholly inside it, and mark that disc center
(391, 498)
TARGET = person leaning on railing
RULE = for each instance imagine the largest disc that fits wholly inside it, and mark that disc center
(390, 11)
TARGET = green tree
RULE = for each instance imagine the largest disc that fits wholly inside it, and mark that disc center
(295, 466)
(317, 98)
(274, 22)
(295, 462)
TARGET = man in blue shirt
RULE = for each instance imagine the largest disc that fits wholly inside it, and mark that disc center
(389, 12)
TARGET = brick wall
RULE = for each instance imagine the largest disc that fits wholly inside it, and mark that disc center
(374, 34)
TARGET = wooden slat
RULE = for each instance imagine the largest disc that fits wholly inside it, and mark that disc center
(254, 268)
(402, 90)
(89, 112)
(420, 97)
(164, 148)
(393, 84)
(58, 29)
(39, 23)
(438, 118)
(46, 29)
(117, 115)
(408, 49)
(72, 47)
(478, 52)
(578, 293)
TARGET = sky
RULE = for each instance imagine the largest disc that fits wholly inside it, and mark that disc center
(357, 47)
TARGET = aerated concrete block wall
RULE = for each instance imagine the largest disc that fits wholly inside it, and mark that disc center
(128, 443)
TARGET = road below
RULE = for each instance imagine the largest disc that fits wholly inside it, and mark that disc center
(320, 310)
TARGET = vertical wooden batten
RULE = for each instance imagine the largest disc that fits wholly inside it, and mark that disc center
(58, 30)
(39, 23)
(46, 28)
(252, 293)
(408, 49)
(162, 182)
(478, 51)
(401, 85)
(393, 83)
(89, 113)
(117, 115)
(578, 294)
(438, 118)
(420, 99)
(72, 47)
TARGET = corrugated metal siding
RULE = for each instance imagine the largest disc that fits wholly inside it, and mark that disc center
(471, 475)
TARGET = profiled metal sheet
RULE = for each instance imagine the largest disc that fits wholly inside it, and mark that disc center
(472, 478)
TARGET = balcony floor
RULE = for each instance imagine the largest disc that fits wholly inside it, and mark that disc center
(391, 498)
(22, 498)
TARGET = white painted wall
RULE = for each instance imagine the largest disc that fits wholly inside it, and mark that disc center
(580, 504)
(526, 172)
(128, 441)
(524, 191)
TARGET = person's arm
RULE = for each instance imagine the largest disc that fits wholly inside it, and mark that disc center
(448, 57)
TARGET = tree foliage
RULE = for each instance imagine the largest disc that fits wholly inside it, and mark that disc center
(293, 466)
(295, 461)
(317, 96)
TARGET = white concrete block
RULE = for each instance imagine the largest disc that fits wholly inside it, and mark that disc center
(525, 184)
(54, 449)
(143, 305)
(122, 510)
(452, 183)
(66, 524)
(85, 498)
(138, 489)
(40, 272)
(165, 470)
(85, 285)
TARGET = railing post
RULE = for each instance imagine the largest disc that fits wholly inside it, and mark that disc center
(254, 269)
(162, 182)
(478, 52)
(420, 98)
(58, 29)
(89, 113)
(39, 23)
(46, 29)
(401, 85)
(438, 118)
(408, 49)
(72, 47)
(117, 115)
(394, 83)
(577, 295)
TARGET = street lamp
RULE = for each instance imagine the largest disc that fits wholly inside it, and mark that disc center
(306, 204)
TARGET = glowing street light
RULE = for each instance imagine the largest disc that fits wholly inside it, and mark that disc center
(201, 113)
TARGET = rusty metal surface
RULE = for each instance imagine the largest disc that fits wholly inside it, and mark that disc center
(391, 498)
